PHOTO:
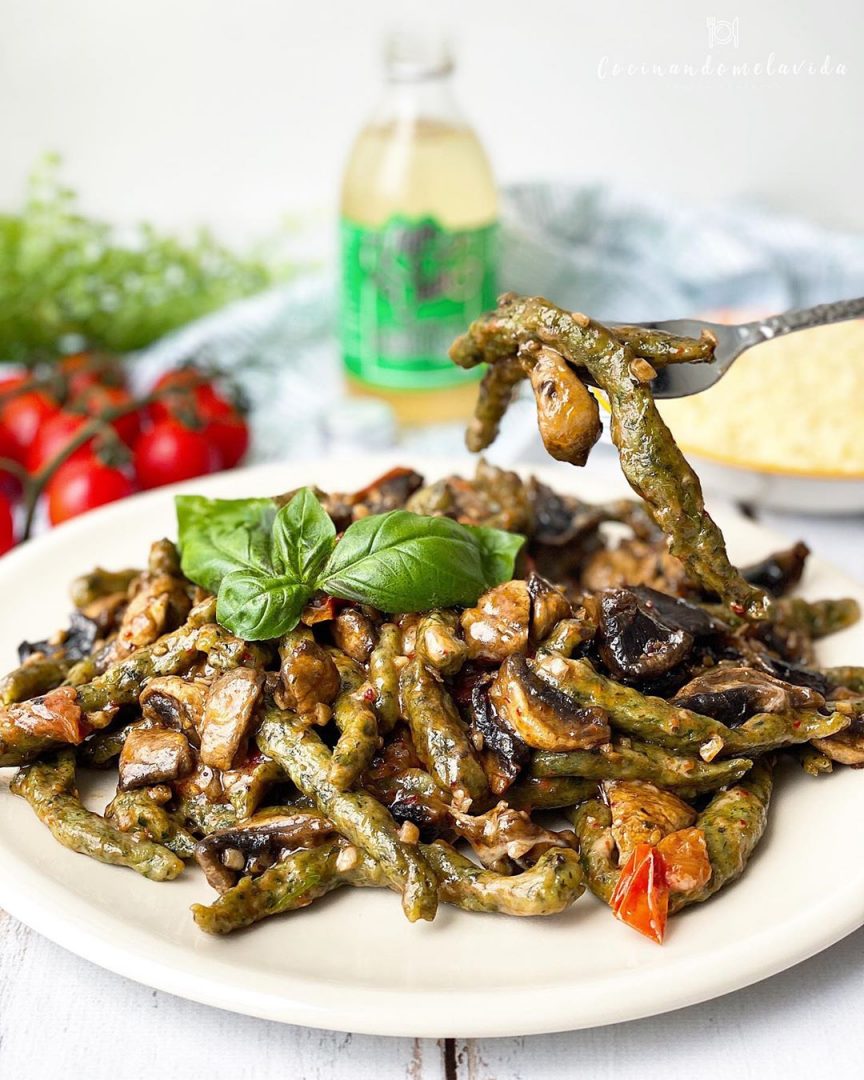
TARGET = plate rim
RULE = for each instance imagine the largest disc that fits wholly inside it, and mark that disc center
(382, 1011)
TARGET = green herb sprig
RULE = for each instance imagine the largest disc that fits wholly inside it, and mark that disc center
(264, 564)
(68, 280)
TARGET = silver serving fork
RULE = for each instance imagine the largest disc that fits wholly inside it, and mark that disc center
(681, 380)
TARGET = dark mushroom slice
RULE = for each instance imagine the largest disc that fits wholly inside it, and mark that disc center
(549, 606)
(354, 633)
(681, 613)
(635, 641)
(228, 713)
(388, 492)
(498, 626)
(174, 702)
(779, 572)
(258, 843)
(734, 693)
(309, 676)
(543, 716)
(75, 643)
(503, 754)
(154, 756)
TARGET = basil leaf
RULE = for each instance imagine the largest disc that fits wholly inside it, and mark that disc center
(218, 536)
(258, 606)
(303, 537)
(498, 551)
(408, 562)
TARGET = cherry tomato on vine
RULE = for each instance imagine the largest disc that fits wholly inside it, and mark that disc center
(226, 429)
(96, 399)
(10, 484)
(170, 451)
(85, 369)
(82, 485)
(7, 526)
(188, 393)
(55, 434)
(23, 415)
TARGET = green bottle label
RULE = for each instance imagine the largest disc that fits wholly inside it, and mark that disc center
(409, 288)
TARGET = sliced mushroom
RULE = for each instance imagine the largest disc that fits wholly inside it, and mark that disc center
(354, 633)
(153, 756)
(55, 715)
(495, 498)
(176, 703)
(309, 675)
(503, 754)
(732, 694)
(549, 606)
(503, 836)
(544, 717)
(636, 562)
(160, 603)
(635, 641)
(567, 412)
(680, 614)
(643, 814)
(259, 842)
(228, 711)
(498, 626)
(389, 492)
(779, 572)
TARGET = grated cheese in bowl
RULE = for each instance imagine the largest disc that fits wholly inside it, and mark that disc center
(794, 405)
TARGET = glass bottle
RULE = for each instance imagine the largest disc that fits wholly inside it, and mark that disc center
(419, 211)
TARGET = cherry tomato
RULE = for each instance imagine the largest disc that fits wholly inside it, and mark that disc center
(95, 399)
(82, 485)
(641, 895)
(55, 434)
(85, 369)
(170, 451)
(7, 527)
(226, 429)
(23, 415)
(10, 485)
(188, 392)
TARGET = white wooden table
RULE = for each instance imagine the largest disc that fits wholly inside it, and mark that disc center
(60, 1015)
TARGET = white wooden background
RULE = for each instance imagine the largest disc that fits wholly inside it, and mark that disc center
(62, 1016)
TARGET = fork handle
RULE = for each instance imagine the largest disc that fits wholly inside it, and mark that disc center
(820, 315)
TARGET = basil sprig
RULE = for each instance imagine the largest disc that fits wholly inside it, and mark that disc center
(265, 564)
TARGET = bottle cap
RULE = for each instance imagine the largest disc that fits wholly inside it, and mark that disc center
(414, 53)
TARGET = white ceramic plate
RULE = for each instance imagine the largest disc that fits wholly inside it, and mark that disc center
(351, 961)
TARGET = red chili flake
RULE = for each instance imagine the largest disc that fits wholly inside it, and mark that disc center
(796, 723)
(369, 694)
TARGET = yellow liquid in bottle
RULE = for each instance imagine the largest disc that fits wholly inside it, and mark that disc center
(420, 169)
